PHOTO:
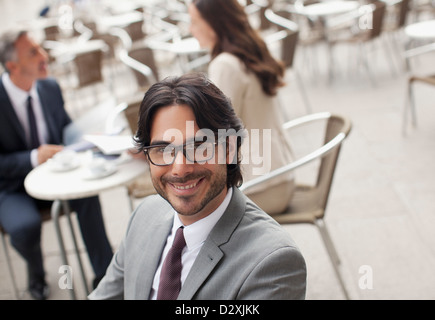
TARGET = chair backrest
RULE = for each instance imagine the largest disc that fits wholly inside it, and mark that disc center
(112, 41)
(51, 32)
(378, 19)
(89, 67)
(135, 30)
(288, 48)
(132, 115)
(145, 56)
(289, 39)
(334, 127)
(403, 12)
(336, 130)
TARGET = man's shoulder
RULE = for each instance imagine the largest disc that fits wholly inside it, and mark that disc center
(152, 199)
(263, 229)
(151, 206)
(2, 87)
(259, 240)
(48, 83)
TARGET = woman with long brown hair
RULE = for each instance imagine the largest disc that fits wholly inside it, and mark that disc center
(245, 70)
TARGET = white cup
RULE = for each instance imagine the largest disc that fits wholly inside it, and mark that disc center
(98, 166)
(65, 158)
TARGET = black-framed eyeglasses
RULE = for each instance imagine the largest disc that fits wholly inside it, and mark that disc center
(194, 152)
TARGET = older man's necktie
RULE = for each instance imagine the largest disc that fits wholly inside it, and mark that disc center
(170, 276)
(34, 138)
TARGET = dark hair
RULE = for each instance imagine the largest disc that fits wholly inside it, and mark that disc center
(235, 35)
(212, 110)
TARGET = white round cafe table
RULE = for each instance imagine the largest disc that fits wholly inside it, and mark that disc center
(424, 30)
(46, 184)
(182, 48)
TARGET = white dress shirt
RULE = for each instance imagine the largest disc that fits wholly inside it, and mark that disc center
(195, 236)
(18, 98)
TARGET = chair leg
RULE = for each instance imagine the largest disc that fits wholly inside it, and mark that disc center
(363, 48)
(67, 211)
(405, 113)
(412, 105)
(303, 92)
(389, 53)
(332, 254)
(11, 270)
(409, 104)
(332, 64)
(55, 215)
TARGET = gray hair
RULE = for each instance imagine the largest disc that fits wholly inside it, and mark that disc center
(7, 46)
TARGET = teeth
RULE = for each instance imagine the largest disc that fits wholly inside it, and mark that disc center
(190, 186)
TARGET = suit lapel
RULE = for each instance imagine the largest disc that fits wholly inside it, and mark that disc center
(9, 114)
(153, 251)
(44, 99)
(205, 262)
(210, 253)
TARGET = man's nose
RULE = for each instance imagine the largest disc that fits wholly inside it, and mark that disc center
(181, 166)
(43, 53)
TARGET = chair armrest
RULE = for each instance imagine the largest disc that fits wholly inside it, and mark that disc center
(349, 17)
(316, 154)
(275, 37)
(136, 65)
(123, 36)
(281, 21)
(419, 50)
(85, 33)
(305, 119)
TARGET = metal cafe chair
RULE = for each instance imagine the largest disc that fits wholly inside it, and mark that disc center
(309, 202)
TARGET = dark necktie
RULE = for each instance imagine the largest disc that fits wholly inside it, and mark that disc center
(170, 276)
(34, 139)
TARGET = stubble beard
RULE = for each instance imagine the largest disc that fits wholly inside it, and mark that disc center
(188, 208)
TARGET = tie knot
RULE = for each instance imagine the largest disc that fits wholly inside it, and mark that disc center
(179, 241)
(29, 101)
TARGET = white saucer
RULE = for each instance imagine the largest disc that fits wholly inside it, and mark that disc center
(91, 176)
(60, 167)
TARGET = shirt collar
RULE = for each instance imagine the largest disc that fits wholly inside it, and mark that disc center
(18, 95)
(196, 233)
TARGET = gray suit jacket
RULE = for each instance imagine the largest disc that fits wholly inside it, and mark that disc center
(247, 255)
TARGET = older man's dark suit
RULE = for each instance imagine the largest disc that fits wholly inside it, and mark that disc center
(19, 214)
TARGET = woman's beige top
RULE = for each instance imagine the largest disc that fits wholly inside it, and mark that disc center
(259, 112)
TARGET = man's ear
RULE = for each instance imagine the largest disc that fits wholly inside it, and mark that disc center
(10, 66)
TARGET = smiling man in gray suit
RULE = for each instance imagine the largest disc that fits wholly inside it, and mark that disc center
(232, 249)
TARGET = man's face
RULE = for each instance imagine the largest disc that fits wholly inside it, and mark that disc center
(32, 61)
(194, 190)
